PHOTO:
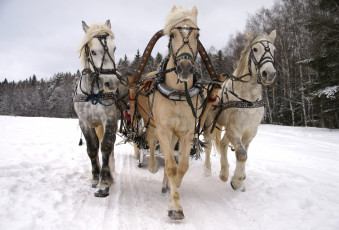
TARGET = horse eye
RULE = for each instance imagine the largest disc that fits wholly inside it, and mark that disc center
(255, 49)
(93, 52)
(172, 35)
(115, 48)
(198, 36)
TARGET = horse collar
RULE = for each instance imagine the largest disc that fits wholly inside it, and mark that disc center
(172, 94)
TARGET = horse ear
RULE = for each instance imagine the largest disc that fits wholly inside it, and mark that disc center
(174, 8)
(249, 36)
(108, 23)
(195, 11)
(273, 35)
(85, 26)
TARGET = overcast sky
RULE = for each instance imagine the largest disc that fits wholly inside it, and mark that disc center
(41, 37)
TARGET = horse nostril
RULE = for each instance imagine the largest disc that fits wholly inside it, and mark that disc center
(191, 70)
(179, 69)
(264, 74)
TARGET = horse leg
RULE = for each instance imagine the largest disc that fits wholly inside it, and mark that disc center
(165, 180)
(151, 139)
(184, 153)
(224, 171)
(92, 143)
(165, 138)
(241, 155)
(136, 151)
(240, 173)
(107, 150)
(208, 149)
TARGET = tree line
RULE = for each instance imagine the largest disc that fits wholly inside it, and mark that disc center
(305, 92)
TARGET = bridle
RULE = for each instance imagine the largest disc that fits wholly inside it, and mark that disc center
(185, 40)
(103, 41)
(257, 64)
(263, 59)
(94, 76)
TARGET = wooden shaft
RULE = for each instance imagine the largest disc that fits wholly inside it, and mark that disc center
(145, 56)
(134, 80)
(205, 58)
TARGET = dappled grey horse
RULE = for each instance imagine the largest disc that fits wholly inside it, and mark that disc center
(98, 101)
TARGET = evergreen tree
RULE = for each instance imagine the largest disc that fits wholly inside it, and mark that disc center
(123, 65)
(135, 63)
(325, 62)
(158, 59)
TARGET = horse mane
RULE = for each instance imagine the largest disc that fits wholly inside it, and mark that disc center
(179, 14)
(243, 61)
(94, 30)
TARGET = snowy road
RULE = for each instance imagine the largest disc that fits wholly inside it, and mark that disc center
(292, 183)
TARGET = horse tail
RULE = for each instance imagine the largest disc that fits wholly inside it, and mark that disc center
(216, 135)
(99, 130)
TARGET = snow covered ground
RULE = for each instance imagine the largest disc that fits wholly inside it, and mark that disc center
(292, 183)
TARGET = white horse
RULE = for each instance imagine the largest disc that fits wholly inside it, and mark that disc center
(241, 110)
(96, 101)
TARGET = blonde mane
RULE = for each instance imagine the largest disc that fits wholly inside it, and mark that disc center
(179, 14)
(243, 61)
(94, 30)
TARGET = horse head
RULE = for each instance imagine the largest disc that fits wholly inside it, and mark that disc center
(97, 52)
(181, 27)
(261, 55)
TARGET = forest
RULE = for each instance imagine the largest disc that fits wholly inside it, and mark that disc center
(306, 91)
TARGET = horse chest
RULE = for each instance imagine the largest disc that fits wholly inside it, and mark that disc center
(174, 114)
(241, 117)
(95, 114)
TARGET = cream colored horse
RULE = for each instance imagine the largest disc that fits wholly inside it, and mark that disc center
(241, 124)
(172, 120)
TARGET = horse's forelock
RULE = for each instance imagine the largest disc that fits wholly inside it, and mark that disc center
(94, 30)
(179, 14)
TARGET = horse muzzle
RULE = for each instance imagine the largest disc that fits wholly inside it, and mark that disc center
(184, 70)
(110, 83)
(267, 77)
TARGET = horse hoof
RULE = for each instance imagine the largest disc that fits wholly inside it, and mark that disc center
(164, 189)
(233, 186)
(207, 172)
(224, 179)
(102, 192)
(237, 189)
(176, 215)
(140, 165)
(153, 170)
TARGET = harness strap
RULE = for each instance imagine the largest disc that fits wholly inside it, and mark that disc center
(236, 95)
(151, 109)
